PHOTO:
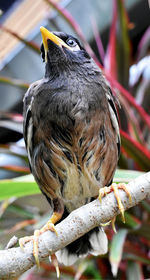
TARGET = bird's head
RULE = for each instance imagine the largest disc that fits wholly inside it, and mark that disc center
(61, 48)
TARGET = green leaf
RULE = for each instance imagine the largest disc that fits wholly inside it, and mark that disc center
(131, 221)
(130, 256)
(143, 230)
(24, 213)
(18, 187)
(123, 44)
(146, 206)
(116, 250)
(92, 272)
(134, 271)
(125, 176)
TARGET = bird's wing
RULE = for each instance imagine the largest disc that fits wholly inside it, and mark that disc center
(112, 101)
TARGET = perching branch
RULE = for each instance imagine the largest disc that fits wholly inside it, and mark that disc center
(14, 261)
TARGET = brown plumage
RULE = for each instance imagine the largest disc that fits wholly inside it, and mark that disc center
(71, 134)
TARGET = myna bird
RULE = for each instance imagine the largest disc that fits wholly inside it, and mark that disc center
(72, 138)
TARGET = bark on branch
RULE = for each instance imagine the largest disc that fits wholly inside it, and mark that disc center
(14, 261)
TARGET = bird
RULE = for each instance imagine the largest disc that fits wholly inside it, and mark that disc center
(71, 133)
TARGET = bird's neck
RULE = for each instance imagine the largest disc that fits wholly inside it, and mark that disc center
(83, 71)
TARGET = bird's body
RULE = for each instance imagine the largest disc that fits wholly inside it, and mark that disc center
(71, 133)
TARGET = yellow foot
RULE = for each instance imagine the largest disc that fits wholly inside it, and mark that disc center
(114, 187)
(54, 261)
(108, 223)
(49, 226)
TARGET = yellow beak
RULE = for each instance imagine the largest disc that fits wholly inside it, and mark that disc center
(49, 35)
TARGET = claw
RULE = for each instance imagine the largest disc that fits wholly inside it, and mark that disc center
(55, 263)
(120, 205)
(113, 224)
(123, 186)
(108, 223)
(49, 226)
(102, 192)
(105, 224)
(35, 238)
(114, 187)
(24, 240)
(35, 247)
(21, 244)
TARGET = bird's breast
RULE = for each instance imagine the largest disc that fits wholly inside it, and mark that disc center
(73, 163)
(78, 188)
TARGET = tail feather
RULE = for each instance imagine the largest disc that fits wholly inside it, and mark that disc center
(94, 242)
(99, 243)
(63, 256)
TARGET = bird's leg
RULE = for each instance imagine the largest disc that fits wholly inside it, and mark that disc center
(114, 187)
(56, 216)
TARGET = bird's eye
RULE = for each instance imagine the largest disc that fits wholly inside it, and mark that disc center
(71, 43)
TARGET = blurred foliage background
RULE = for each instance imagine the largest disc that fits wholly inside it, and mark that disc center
(126, 65)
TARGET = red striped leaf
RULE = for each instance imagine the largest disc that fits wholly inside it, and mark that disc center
(136, 151)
